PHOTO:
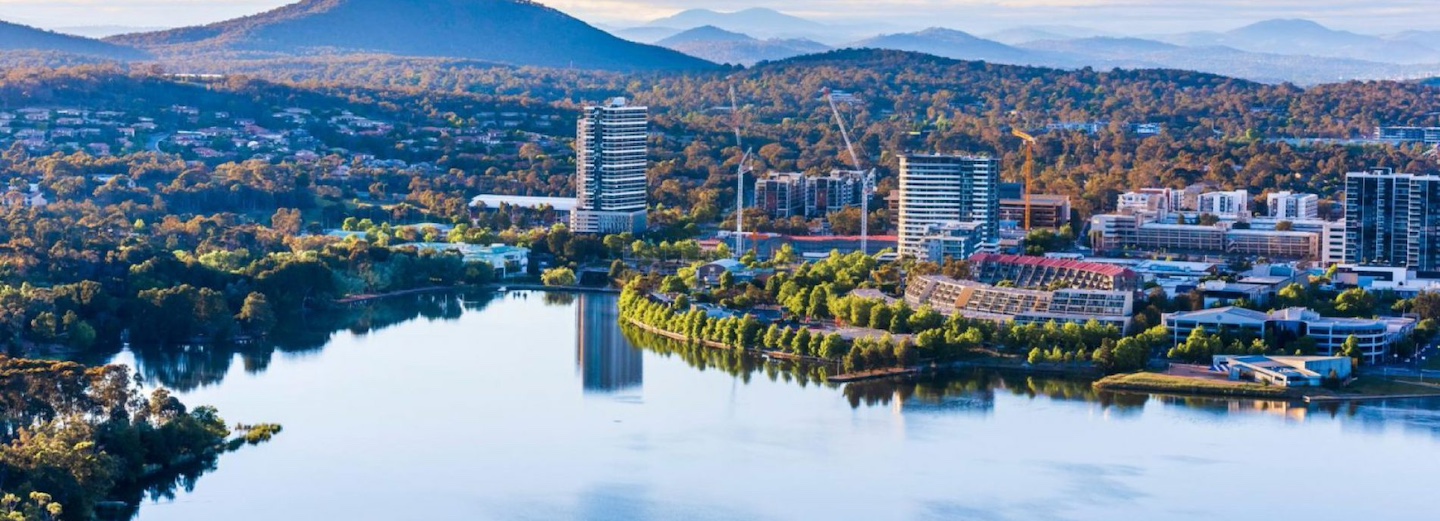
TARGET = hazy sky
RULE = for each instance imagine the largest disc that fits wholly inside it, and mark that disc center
(1121, 16)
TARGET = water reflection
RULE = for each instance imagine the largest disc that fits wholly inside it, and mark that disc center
(605, 358)
(190, 367)
(730, 417)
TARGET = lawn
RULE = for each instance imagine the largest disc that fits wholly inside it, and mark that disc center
(1160, 383)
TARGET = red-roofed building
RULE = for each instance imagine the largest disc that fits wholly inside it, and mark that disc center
(1041, 272)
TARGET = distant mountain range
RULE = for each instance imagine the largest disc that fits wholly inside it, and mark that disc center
(758, 22)
(949, 43)
(1306, 38)
(517, 32)
(1297, 51)
(15, 37)
(721, 46)
(523, 32)
(104, 31)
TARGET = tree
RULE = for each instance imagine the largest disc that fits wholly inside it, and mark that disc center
(561, 276)
(1037, 355)
(1131, 355)
(727, 280)
(833, 347)
(1104, 357)
(1351, 348)
(1355, 303)
(256, 315)
(1426, 305)
(287, 221)
(673, 284)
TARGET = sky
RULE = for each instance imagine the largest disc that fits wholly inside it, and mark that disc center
(1134, 17)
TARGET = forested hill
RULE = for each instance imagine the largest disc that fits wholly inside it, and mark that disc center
(505, 31)
(15, 37)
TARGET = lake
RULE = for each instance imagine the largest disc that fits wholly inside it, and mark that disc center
(539, 406)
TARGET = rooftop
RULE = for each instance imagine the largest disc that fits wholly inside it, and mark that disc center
(560, 204)
(1043, 262)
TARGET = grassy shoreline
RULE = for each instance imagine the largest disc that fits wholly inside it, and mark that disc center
(1167, 384)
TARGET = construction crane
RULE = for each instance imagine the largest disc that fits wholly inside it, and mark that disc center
(739, 179)
(866, 178)
(1029, 170)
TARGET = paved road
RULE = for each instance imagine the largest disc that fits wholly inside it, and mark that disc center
(154, 144)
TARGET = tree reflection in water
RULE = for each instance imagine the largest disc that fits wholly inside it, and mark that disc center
(189, 367)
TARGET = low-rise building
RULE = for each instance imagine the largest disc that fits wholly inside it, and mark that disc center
(508, 261)
(1116, 233)
(1285, 371)
(953, 240)
(1225, 205)
(985, 302)
(1403, 281)
(1375, 336)
(1041, 272)
(1046, 211)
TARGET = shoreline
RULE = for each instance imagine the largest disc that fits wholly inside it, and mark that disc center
(521, 286)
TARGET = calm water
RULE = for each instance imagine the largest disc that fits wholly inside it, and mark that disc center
(527, 408)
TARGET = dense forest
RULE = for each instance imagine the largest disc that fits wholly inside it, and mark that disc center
(1227, 132)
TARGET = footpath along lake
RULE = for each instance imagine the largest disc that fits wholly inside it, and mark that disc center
(540, 406)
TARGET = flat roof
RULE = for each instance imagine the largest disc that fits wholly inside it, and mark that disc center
(1044, 262)
(562, 204)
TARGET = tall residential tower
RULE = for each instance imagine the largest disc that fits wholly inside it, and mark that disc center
(1392, 220)
(940, 190)
(611, 163)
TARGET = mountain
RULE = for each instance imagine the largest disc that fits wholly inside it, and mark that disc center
(104, 31)
(949, 43)
(1136, 53)
(765, 23)
(1307, 38)
(518, 32)
(15, 37)
(721, 46)
(645, 34)
(1430, 39)
(1037, 33)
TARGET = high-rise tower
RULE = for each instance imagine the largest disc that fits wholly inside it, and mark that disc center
(611, 163)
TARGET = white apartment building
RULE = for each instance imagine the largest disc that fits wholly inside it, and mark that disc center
(611, 163)
(937, 190)
(1225, 205)
(1291, 206)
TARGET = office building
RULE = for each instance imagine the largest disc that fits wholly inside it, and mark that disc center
(1113, 234)
(1046, 211)
(611, 163)
(1376, 336)
(1401, 135)
(941, 189)
(1290, 206)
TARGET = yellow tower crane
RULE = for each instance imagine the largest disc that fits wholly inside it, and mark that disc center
(1029, 169)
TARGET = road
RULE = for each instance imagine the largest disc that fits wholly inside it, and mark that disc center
(154, 144)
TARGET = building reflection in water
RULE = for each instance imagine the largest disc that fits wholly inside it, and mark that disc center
(606, 360)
